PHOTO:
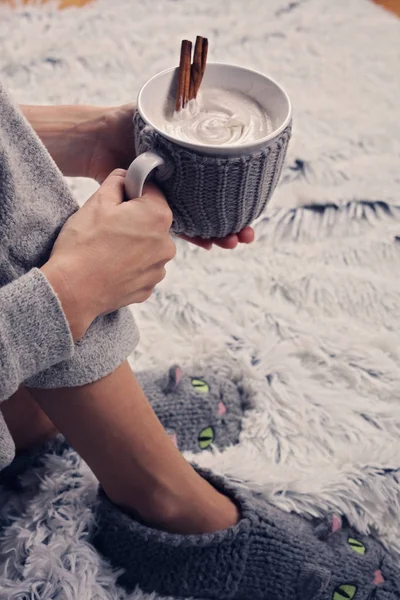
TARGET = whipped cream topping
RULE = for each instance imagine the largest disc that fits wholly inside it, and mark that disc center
(219, 117)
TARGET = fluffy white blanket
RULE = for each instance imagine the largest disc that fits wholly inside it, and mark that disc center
(311, 310)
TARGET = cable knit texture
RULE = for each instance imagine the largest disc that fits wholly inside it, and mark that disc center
(269, 555)
(35, 201)
(212, 196)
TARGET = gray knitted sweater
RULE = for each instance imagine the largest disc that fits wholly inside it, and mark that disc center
(36, 347)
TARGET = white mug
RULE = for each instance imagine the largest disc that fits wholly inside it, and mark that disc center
(157, 150)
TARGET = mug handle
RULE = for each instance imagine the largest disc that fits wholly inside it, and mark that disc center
(139, 171)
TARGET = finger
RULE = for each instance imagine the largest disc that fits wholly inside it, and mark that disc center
(205, 244)
(152, 279)
(246, 236)
(154, 203)
(153, 193)
(228, 243)
(112, 190)
(141, 296)
(129, 107)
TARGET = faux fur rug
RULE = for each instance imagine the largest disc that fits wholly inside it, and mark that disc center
(311, 310)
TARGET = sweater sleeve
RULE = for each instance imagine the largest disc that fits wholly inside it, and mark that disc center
(35, 344)
(34, 332)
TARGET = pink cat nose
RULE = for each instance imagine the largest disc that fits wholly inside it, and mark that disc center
(221, 409)
(378, 577)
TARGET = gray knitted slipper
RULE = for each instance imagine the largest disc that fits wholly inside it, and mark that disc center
(268, 555)
(199, 407)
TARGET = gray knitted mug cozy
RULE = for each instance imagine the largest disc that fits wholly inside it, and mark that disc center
(213, 196)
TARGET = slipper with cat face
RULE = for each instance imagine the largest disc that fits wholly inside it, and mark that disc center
(269, 554)
(200, 407)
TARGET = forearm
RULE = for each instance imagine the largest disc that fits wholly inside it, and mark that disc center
(69, 133)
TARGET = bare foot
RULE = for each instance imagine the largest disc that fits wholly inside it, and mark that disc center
(200, 508)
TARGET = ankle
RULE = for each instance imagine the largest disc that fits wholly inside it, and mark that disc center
(201, 509)
(155, 508)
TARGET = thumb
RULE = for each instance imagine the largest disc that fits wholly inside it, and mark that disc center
(152, 193)
(153, 199)
(112, 190)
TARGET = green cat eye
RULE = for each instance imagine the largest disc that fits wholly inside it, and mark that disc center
(356, 546)
(200, 386)
(206, 437)
(344, 592)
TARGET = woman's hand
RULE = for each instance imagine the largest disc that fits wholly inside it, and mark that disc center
(85, 141)
(110, 253)
(92, 141)
(246, 236)
(114, 148)
(113, 145)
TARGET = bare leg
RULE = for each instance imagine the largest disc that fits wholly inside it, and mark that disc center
(28, 424)
(113, 427)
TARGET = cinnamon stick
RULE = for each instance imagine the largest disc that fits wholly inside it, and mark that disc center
(183, 87)
(190, 76)
(199, 65)
(195, 72)
(188, 57)
(204, 57)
